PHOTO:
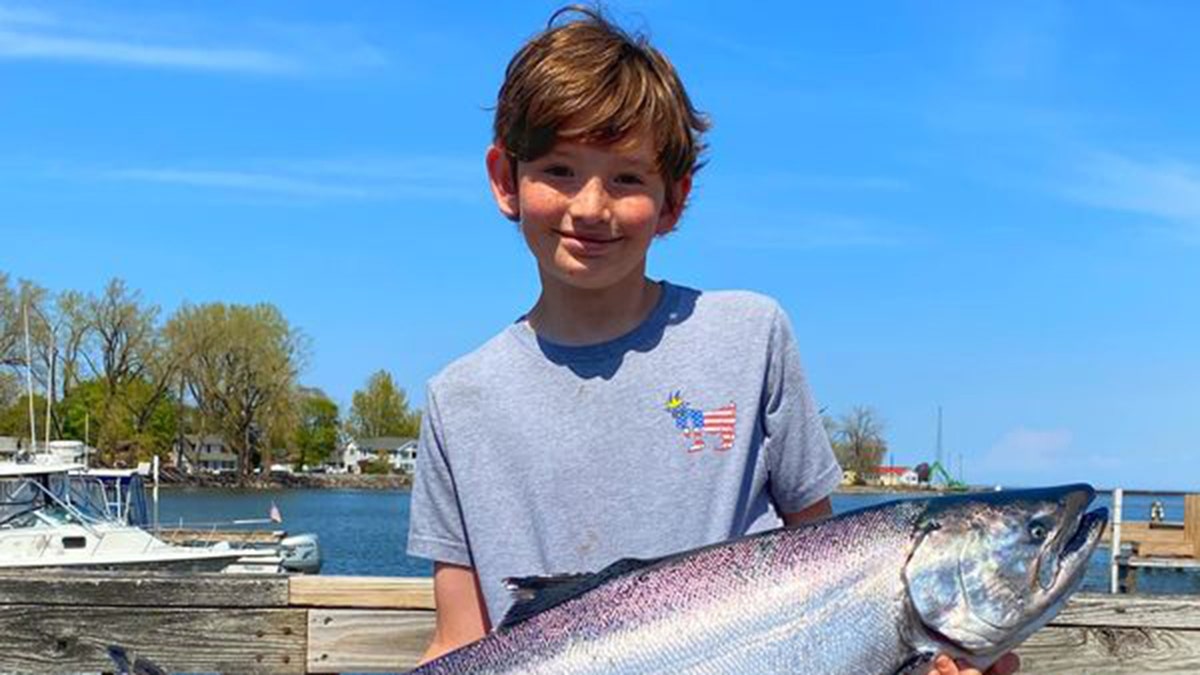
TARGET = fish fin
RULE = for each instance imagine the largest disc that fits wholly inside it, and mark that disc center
(534, 595)
(915, 664)
(120, 658)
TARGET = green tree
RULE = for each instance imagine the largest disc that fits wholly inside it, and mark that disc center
(14, 418)
(381, 409)
(316, 436)
(239, 364)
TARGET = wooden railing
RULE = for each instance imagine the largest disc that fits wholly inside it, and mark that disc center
(52, 622)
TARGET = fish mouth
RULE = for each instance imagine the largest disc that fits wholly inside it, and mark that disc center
(1079, 547)
(1064, 562)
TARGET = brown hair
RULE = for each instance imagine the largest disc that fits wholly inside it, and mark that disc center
(587, 80)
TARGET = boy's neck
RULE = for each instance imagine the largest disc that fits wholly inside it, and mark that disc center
(574, 316)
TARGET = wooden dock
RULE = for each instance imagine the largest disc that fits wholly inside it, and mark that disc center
(1140, 545)
(58, 622)
(198, 536)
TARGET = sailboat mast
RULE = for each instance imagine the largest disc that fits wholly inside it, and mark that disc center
(29, 380)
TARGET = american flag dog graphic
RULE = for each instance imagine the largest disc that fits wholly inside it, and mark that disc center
(695, 423)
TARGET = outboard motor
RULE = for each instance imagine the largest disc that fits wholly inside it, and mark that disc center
(300, 553)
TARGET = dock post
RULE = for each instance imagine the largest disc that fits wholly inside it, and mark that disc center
(155, 495)
(1191, 522)
(1115, 542)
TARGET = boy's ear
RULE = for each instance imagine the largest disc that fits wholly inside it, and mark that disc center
(673, 208)
(504, 182)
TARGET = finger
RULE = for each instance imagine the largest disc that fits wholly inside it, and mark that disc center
(945, 666)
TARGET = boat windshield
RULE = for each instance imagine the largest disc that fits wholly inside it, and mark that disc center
(122, 498)
(48, 499)
(17, 498)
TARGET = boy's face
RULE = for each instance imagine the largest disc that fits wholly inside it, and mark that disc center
(588, 212)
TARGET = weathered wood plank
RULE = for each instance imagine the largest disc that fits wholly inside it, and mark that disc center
(1144, 532)
(74, 639)
(1191, 522)
(364, 592)
(1163, 563)
(366, 641)
(1172, 549)
(1109, 651)
(1132, 611)
(148, 589)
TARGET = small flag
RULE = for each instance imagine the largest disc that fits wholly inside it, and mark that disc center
(274, 514)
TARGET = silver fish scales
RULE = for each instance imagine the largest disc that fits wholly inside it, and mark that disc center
(876, 591)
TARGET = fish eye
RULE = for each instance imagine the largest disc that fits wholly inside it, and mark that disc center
(1038, 531)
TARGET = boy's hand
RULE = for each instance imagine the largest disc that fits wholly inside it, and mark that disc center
(944, 665)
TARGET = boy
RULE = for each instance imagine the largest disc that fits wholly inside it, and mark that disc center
(620, 417)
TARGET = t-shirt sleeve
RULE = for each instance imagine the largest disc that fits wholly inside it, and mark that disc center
(801, 464)
(435, 529)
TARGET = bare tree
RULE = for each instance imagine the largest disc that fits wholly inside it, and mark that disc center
(10, 326)
(858, 441)
(75, 327)
(118, 337)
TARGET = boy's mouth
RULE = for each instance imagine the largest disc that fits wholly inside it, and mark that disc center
(585, 244)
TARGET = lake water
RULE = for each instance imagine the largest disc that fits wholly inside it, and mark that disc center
(363, 532)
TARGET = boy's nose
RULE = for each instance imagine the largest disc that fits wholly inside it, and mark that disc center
(590, 203)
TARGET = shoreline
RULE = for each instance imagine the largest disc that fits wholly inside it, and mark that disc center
(287, 481)
(900, 489)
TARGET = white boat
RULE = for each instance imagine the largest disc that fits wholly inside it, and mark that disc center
(47, 519)
(122, 492)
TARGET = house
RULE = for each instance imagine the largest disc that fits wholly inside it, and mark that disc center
(205, 454)
(404, 458)
(895, 476)
(401, 453)
(347, 458)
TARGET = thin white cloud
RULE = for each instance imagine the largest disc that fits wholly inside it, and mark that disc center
(244, 181)
(435, 178)
(27, 45)
(1166, 190)
(1031, 449)
(194, 43)
(1033, 456)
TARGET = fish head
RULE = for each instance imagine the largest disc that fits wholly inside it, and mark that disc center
(986, 571)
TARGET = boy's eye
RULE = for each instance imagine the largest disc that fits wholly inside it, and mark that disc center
(630, 179)
(558, 170)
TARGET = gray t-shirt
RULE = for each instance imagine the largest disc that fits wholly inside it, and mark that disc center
(537, 458)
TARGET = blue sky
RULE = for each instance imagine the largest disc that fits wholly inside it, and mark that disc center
(994, 208)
